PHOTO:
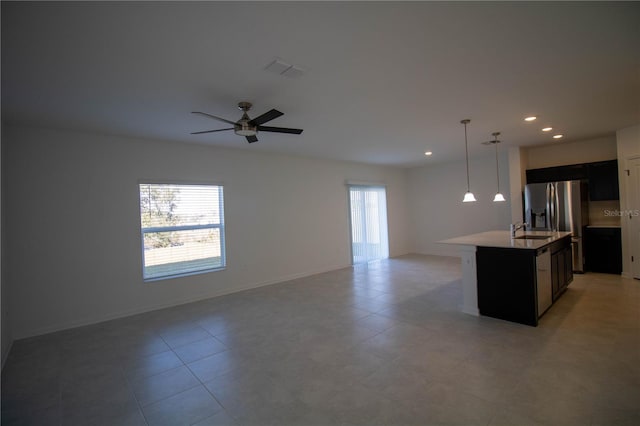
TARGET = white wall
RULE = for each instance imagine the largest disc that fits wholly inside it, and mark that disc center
(436, 208)
(561, 153)
(628, 143)
(517, 180)
(73, 232)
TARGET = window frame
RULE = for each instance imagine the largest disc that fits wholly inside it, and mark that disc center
(220, 226)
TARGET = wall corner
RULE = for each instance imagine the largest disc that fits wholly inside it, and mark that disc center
(517, 180)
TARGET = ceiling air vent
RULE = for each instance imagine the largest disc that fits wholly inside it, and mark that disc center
(278, 66)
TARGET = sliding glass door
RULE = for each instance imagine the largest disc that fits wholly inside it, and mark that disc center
(369, 238)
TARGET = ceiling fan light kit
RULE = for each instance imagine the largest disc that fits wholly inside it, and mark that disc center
(248, 127)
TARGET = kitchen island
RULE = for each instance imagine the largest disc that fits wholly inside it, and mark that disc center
(515, 279)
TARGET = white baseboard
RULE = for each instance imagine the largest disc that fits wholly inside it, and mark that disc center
(23, 334)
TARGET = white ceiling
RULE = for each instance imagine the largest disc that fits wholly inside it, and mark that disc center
(385, 81)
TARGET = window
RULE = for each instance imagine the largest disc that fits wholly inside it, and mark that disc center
(182, 229)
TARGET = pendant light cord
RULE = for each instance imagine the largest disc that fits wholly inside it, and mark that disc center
(497, 166)
(466, 149)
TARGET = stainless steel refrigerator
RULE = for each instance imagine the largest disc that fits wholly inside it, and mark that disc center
(559, 206)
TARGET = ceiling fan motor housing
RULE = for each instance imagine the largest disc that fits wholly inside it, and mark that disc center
(242, 127)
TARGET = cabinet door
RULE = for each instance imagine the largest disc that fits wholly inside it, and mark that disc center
(562, 271)
(559, 273)
(568, 266)
(554, 174)
(555, 274)
(603, 181)
(604, 250)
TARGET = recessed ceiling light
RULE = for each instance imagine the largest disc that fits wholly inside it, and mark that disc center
(530, 118)
(428, 153)
(547, 129)
(557, 136)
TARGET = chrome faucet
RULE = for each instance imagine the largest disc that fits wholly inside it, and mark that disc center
(515, 226)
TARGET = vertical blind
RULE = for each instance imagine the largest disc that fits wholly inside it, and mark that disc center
(182, 229)
(369, 238)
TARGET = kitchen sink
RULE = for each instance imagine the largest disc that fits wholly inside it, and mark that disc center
(533, 237)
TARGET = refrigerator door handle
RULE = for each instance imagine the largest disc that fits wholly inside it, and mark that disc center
(551, 202)
(549, 215)
(556, 208)
(553, 207)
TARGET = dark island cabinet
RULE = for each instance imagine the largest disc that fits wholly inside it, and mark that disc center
(507, 284)
(508, 281)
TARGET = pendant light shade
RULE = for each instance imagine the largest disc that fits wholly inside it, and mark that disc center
(468, 197)
(499, 197)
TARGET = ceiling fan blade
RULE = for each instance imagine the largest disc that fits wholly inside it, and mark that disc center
(252, 139)
(214, 117)
(211, 131)
(279, 130)
(267, 116)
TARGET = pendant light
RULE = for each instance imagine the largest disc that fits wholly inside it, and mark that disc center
(468, 196)
(499, 196)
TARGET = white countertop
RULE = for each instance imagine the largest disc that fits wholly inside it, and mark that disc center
(503, 239)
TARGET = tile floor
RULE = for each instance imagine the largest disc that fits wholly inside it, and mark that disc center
(382, 344)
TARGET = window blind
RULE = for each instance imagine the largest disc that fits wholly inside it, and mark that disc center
(182, 229)
(369, 239)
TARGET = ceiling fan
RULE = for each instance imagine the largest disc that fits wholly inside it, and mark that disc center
(249, 127)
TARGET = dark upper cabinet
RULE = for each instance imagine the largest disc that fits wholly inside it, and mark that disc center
(603, 180)
(602, 177)
(554, 174)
